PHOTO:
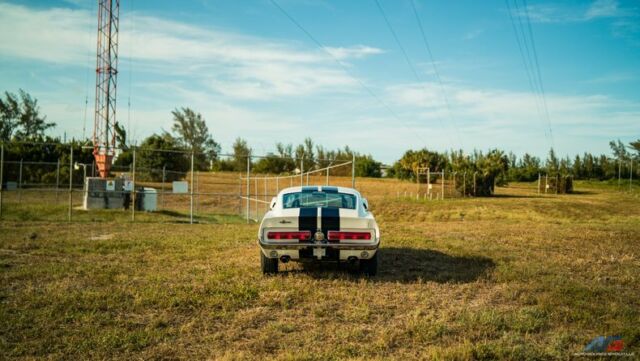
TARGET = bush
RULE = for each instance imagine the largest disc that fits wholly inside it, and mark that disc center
(484, 186)
(563, 184)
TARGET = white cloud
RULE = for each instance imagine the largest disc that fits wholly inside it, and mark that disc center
(234, 65)
(358, 51)
(603, 9)
(598, 9)
(512, 118)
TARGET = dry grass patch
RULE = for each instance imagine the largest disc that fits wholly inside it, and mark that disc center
(511, 277)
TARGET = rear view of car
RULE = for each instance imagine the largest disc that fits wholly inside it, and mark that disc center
(322, 224)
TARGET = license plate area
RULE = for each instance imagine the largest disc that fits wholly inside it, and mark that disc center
(319, 252)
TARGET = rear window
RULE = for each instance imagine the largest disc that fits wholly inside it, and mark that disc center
(319, 199)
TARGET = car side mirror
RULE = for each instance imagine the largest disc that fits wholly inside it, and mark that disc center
(365, 204)
(273, 203)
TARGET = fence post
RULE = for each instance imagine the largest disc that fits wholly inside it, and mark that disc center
(464, 184)
(70, 183)
(538, 183)
(353, 171)
(453, 178)
(57, 179)
(20, 182)
(133, 186)
(301, 171)
(248, 185)
(266, 208)
(307, 178)
(239, 194)
(546, 182)
(619, 170)
(630, 177)
(474, 184)
(327, 181)
(197, 192)
(1, 174)
(191, 195)
(417, 170)
(429, 181)
(256, 198)
(164, 177)
(442, 186)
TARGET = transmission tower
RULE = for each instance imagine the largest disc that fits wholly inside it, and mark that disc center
(104, 137)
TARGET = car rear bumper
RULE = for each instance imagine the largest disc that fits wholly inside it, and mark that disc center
(292, 249)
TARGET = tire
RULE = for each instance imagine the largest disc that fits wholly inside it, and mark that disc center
(269, 265)
(369, 266)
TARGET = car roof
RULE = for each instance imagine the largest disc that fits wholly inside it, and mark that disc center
(312, 188)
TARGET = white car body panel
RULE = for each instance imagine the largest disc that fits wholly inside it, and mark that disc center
(320, 219)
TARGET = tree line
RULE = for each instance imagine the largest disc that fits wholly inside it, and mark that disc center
(21, 123)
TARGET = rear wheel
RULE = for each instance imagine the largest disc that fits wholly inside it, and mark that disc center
(269, 265)
(369, 266)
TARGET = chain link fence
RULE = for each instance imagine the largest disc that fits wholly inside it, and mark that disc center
(49, 183)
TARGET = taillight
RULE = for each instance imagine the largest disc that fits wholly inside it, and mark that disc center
(301, 235)
(339, 236)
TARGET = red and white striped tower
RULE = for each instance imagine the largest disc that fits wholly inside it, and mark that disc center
(104, 138)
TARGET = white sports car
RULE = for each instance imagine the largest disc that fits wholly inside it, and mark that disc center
(319, 223)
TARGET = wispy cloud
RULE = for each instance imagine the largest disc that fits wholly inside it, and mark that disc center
(513, 117)
(237, 65)
(358, 51)
(615, 77)
(470, 35)
(559, 13)
(604, 9)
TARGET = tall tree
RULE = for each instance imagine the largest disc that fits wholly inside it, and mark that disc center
(121, 136)
(635, 146)
(619, 150)
(552, 162)
(192, 132)
(20, 118)
(9, 110)
(241, 151)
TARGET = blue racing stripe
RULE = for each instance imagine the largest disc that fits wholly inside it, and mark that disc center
(308, 219)
(330, 220)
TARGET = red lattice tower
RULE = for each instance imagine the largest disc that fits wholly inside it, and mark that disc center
(104, 137)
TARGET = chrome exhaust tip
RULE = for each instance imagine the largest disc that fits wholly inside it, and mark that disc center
(285, 259)
(352, 259)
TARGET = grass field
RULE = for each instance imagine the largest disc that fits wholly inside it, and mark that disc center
(516, 276)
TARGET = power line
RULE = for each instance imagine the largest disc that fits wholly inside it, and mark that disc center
(525, 62)
(535, 56)
(435, 69)
(532, 66)
(406, 57)
(344, 68)
(395, 37)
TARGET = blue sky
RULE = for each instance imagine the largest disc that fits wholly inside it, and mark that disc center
(253, 74)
